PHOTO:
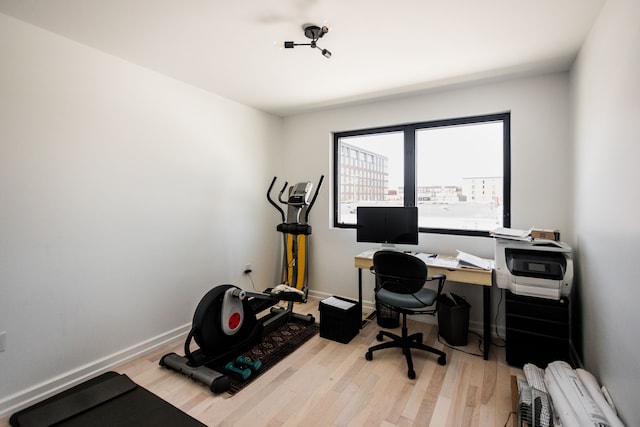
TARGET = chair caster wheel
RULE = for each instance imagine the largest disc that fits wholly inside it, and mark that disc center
(411, 374)
(442, 360)
(368, 355)
(379, 337)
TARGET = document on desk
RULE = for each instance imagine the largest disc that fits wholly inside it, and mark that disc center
(472, 261)
(445, 262)
(426, 258)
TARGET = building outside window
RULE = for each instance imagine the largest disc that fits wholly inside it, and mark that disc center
(457, 172)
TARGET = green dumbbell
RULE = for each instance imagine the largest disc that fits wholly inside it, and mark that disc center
(243, 373)
(243, 361)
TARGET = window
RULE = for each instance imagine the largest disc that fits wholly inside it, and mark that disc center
(456, 171)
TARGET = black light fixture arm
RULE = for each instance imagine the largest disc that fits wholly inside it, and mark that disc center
(291, 45)
(314, 33)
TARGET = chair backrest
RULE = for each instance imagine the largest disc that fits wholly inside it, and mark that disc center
(399, 272)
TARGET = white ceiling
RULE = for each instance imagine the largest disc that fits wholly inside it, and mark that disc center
(380, 47)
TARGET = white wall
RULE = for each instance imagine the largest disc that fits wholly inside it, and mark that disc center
(125, 195)
(541, 169)
(606, 94)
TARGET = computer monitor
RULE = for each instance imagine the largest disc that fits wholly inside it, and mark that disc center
(388, 225)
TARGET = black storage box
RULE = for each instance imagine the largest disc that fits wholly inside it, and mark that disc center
(453, 319)
(339, 319)
(538, 330)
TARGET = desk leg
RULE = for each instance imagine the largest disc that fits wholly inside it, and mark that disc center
(360, 295)
(487, 320)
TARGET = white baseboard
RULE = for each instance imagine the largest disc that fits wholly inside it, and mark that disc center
(474, 326)
(50, 387)
(368, 305)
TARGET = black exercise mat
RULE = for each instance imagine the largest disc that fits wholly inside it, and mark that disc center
(110, 399)
(274, 347)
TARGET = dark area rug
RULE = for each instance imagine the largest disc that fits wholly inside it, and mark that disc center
(274, 347)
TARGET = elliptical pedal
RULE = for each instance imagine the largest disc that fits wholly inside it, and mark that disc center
(216, 381)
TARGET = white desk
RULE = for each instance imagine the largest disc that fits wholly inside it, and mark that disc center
(471, 276)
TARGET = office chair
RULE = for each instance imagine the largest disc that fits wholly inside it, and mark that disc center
(400, 278)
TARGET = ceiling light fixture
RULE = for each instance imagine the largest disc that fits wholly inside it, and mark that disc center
(314, 33)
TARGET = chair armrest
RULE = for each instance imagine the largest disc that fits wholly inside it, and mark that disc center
(441, 278)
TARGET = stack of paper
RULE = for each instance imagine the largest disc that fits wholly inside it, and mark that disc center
(472, 261)
(338, 303)
(512, 234)
(442, 261)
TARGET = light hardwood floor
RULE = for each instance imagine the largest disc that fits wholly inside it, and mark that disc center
(326, 383)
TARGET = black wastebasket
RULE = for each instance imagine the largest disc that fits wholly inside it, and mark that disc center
(453, 319)
(386, 316)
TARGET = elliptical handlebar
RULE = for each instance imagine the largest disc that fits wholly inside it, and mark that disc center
(284, 187)
(271, 200)
(285, 202)
(313, 199)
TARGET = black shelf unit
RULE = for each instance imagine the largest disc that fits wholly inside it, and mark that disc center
(538, 330)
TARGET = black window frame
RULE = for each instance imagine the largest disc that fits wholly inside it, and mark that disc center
(409, 132)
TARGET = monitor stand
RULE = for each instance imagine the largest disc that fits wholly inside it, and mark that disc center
(388, 247)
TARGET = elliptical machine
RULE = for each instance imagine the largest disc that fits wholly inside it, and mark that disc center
(225, 323)
(295, 229)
